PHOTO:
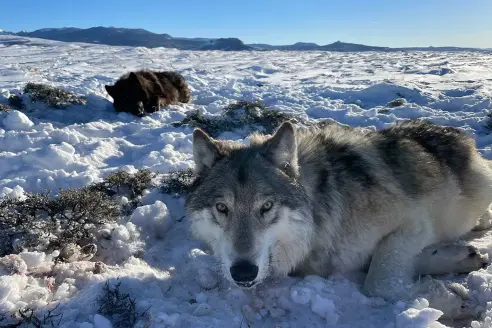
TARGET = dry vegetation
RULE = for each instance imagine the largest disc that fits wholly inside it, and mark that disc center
(251, 114)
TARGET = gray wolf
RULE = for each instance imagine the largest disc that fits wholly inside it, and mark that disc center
(339, 199)
(146, 91)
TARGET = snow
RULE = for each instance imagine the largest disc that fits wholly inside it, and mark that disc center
(172, 277)
(86, 325)
(16, 120)
(419, 315)
(101, 322)
(153, 219)
(32, 259)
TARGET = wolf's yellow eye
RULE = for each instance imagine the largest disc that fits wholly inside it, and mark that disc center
(266, 207)
(221, 207)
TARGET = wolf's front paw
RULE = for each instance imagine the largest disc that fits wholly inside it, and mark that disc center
(452, 258)
(469, 306)
(453, 299)
(474, 260)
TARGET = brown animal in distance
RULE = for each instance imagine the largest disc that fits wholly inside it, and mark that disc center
(145, 91)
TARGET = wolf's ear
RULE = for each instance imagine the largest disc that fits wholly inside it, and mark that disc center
(205, 151)
(133, 76)
(109, 89)
(282, 148)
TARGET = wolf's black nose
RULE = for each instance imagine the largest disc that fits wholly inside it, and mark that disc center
(244, 271)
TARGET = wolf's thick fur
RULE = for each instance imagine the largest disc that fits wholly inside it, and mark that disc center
(337, 199)
(145, 91)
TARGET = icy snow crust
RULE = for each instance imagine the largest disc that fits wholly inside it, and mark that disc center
(70, 148)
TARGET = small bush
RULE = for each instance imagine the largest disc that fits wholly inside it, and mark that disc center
(245, 113)
(120, 306)
(247, 105)
(41, 222)
(16, 102)
(126, 184)
(29, 318)
(488, 123)
(322, 123)
(396, 103)
(236, 116)
(52, 96)
(213, 126)
(177, 182)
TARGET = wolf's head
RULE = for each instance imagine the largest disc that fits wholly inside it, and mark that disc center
(249, 206)
(128, 95)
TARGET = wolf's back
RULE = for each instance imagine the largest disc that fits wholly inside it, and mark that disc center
(177, 80)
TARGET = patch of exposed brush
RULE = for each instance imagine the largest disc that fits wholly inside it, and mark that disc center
(66, 222)
(252, 114)
(126, 184)
(488, 123)
(15, 101)
(256, 113)
(392, 104)
(42, 222)
(54, 97)
(322, 123)
(29, 318)
(177, 183)
(213, 126)
(121, 307)
(396, 103)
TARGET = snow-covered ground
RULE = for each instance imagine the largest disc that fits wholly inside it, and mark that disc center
(71, 148)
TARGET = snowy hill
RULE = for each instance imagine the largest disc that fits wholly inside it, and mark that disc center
(229, 44)
(133, 37)
(103, 35)
(170, 276)
(142, 38)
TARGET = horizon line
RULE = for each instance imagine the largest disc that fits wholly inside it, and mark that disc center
(249, 43)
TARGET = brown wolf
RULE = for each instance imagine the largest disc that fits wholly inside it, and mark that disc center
(145, 91)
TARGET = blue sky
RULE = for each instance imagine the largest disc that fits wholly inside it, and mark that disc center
(374, 22)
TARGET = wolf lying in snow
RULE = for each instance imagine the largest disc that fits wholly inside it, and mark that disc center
(337, 199)
(145, 91)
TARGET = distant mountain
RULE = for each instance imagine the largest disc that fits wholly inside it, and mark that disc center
(115, 36)
(263, 46)
(142, 38)
(431, 48)
(336, 46)
(231, 44)
(2, 32)
(299, 46)
(303, 46)
(103, 35)
(342, 46)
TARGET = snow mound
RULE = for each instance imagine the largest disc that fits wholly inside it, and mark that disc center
(152, 219)
(419, 315)
(380, 94)
(16, 120)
